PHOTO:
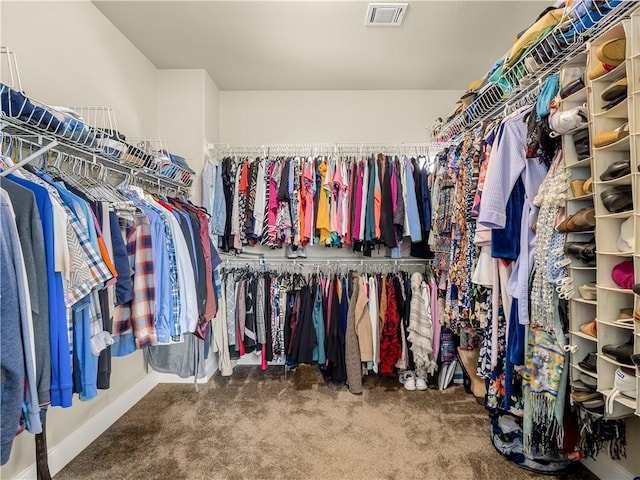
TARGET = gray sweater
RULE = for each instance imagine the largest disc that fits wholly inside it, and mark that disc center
(32, 243)
(11, 352)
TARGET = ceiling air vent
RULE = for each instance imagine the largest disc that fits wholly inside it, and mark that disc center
(385, 14)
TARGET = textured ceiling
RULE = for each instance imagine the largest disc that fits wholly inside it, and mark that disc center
(323, 45)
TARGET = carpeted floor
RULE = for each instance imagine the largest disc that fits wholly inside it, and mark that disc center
(259, 425)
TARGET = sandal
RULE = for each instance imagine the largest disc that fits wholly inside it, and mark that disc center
(588, 291)
(603, 139)
(590, 328)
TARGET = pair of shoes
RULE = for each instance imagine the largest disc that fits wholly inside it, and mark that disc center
(585, 251)
(615, 93)
(617, 169)
(590, 328)
(581, 221)
(582, 144)
(590, 363)
(617, 199)
(588, 291)
(621, 353)
(412, 382)
(408, 379)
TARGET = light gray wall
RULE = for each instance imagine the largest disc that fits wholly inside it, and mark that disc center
(369, 116)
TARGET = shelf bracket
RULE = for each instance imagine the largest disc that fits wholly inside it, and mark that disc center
(30, 158)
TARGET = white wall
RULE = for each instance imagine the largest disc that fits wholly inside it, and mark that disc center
(192, 95)
(70, 54)
(373, 116)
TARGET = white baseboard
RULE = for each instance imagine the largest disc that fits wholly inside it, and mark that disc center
(65, 451)
(605, 468)
(211, 367)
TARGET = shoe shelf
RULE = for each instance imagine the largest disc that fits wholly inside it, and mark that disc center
(617, 254)
(582, 370)
(610, 249)
(583, 198)
(619, 146)
(615, 325)
(584, 336)
(579, 267)
(584, 163)
(579, 299)
(619, 111)
(625, 180)
(578, 97)
(612, 361)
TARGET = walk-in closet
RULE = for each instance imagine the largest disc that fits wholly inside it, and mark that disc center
(320, 239)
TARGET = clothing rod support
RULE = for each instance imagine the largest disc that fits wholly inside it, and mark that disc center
(30, 158)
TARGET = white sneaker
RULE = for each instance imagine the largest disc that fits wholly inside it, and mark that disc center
(421, 384)
(302, 252)
(290, 252)
(409, 381)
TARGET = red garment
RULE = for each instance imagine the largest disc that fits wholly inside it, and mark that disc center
(390, 350)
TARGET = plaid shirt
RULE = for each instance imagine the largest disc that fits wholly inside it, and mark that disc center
(83, 255)
(138, 315)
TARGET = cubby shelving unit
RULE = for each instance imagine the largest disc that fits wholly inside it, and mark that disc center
(612, 298)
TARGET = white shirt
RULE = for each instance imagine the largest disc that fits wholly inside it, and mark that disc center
(186, 277)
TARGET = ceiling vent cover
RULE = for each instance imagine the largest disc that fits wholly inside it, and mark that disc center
(385, 14)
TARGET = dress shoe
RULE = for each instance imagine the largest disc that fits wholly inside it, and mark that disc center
(571, 88)
(617, 199)
(582, 144)
(616, 170)
(584, 251)
(590, 363)
(615, 90)
(620, 353)
(582, 220)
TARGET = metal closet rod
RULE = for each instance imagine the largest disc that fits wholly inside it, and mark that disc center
(335, 146)
(328, 261)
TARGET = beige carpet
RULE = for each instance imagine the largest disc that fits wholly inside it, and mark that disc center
(261, 425)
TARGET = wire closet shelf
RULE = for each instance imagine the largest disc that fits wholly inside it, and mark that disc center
(88, 131)
(24, 137)
(522, 82)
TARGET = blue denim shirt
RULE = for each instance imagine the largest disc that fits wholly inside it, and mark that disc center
(412, 204)
(219, 212)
